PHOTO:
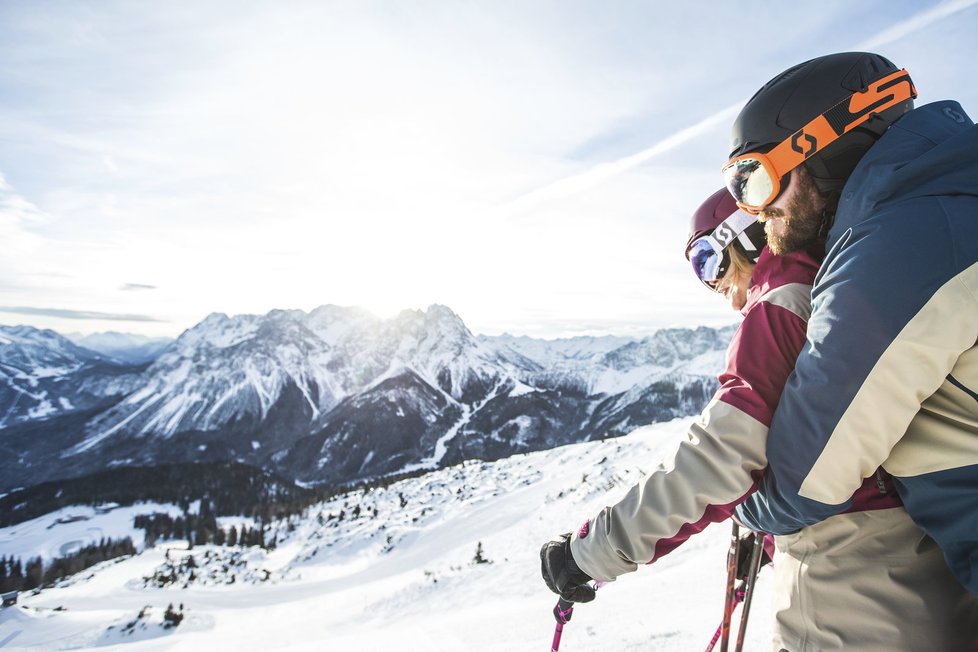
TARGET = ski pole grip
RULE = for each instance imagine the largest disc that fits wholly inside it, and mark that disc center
(563, 611)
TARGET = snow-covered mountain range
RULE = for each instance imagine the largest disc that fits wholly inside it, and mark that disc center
(336, 395)
(43, 374)
(445, 561)
(124, 347)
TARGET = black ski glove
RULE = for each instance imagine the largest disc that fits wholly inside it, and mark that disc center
(744, 548)
(562, 574)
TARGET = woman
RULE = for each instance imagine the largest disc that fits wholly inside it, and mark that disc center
(868, 580)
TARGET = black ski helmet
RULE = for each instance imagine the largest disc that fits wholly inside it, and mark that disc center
(801, 93)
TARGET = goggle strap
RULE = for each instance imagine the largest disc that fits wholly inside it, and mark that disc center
(745, 242)
(840, 119)
(730, 229)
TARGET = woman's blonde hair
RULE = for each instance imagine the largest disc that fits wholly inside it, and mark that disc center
(739, 261)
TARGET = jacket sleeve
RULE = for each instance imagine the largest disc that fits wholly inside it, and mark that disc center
(893, 309)
(715, 466)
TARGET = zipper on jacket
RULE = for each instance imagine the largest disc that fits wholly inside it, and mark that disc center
(880, 483)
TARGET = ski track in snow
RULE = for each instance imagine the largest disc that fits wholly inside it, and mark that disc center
(404, 579)
(441, 446)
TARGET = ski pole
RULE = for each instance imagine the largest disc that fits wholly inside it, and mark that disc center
(730, 601)
(755, 567)
(562, 613)
(738, 598)
(744, 592)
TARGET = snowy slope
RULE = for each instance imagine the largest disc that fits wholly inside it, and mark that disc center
(397, 572)
(67, 530)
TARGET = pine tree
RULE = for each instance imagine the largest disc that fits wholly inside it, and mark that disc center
(172, 617)
(479, 557)
(7, 583)
(202, 534)
(16, 570)
(34, 575)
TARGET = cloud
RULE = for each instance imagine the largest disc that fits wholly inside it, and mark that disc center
(76, 314)
(496, 156)
(915, 23)
(17, 217)
(604, 171)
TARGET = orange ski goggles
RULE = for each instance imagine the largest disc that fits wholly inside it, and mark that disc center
(754, 179)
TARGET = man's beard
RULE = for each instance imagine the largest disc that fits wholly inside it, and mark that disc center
(804, 221)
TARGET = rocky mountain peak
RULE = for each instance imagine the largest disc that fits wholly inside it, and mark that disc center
(291, 391)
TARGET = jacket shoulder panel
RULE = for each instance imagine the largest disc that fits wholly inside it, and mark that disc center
(793, 297)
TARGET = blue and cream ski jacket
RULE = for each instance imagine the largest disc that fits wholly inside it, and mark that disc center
(889, 371)
(715, 467)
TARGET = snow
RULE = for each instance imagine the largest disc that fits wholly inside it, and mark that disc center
(43, 409)
(441, 446)
(521, 389)
(95, 439)
(71, 528)
(702, 365)
(228, 368)
(53, 372)
(401, 575)
(554, 352)
(222, 332)
(611, 381)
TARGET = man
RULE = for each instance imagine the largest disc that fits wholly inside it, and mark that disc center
(889, 375)
(834, 603)
(796, 145)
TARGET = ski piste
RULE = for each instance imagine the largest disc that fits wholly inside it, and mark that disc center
(372, 593)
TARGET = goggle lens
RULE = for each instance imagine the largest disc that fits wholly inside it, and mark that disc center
(750, 182)
(708, 264)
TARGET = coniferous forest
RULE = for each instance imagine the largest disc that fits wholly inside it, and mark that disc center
(17, 575)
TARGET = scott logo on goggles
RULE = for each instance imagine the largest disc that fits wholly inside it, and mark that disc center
(724, 235)
(812, 143)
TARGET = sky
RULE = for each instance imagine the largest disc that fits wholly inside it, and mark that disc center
(531, 165)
